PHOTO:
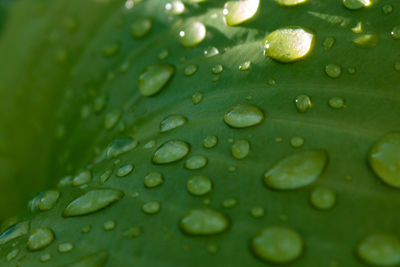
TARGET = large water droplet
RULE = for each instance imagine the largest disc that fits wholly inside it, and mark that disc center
(356, 4)
(322, 198)
(303, 103)
(171, 122)
(288, 44)
(199, 185)
(296, 170)
(204, 222)
(40, 238)
(380, 249)
(92, 201)
(14, 232)
(151, 207)
(121, 146)
(291, 2)
(153, 179)
(195, 162)
(83, 177)
(171, 151)
(366, 40)
(97, 259)
(384, 159)
(237, 12)
(124, 170)
(277, 244)
(141, 27)
(192, 34)
(154, 77)
(243, 115)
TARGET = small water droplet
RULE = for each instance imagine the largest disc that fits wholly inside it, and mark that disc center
(210, 141)
(109, 225)
(231, 168)
(133, 232)
(83, 177)
(192, 34)
(171, 122)
(303, 103)
(97, 259)
(358, 28)
(328, 43)
(245, 66)
(336, 102)
(296, 170)
(366, 40)
(277, 244)
(240, 149)
(197, 98)
(154, 77)
(229, 203)
(288, 44)
(14, 232)
(291, 2)
(175, 7)
(92, 201)
(150, 144)
(397, 66)
(257, 212)
(190, 69)
(141, 27)
(195, 162)
(124, 170)
(212, 249)
(111, 119)
(204, 222)
(380, 249)
(333, 70)
(297, 141)
(322, 198)
(65, 247)
(171, 151)
(153, 179)
(7, 223)
(151, 207)
(86, 229)
(199, 185)
(271, 82)
(211, 51)
(384, 159)
(217, 69)
(121, 146)
(111, 49)
(243, 115)
(351, 70)
(163, 54)
(395, 33)
(14, 253)
(45, 257)
(216, 78)
(387, 9)
(356, 4)
(237, 12)
(40, 238)
(71, 24)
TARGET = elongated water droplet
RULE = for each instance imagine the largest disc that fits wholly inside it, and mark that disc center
(163, 54)
(297, 141)
(154, 77)
(65, 247)
(151, 207)
(45, 257)
(14, 232)
(7, 223)
(40, 238)
(322, 198)
(192, 34)
(296, 170)
(210, 141)
(171, 151)
(48, 200)
(356, 4)
(291, 2)
(97, 259)
(303, 103)
(243, 115)
(197, 97)
(257, 212)
(366, 40)
(211, 51)
(395, 33)
(109, 225)
(124, 170)
(328, 43)
(195, 162)
(141, 27)
(229, 203)
(121, 146)
(204, 222)
(105, 176)
(190, 69)
(245, 66)
(14, 253)
(111, 119)
(277, 244)
(153, 179)
(171, 122)
(83, 177)
(384, 159)
(333, 70)
(199, 185)
(237, 12)
(240, 149)
(380, 249)
(288, 44)
(92, 201)
(336, 102)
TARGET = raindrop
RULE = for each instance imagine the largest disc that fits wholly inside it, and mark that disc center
(336, 102)
(40, 238)
(83, 177)
(217, 69)
(358, 28)
(211, 51)
(195, 162)
(111, 49)
(204, 222)
(387, 9)
(257, 212)
(245, 66)
(175, 7)
(229, 203)
(151, 207)
(210, 141)
(45, 257)
(192, 34)
(356, 4)
(197, 98)
(328, 43)
(380, 249)
(366, 40)
(395, 33)
(111, 119)
(171, 122)
(141, 27)
(237, 12)
(86, 229)
(333, 70)
(65, 247)
(121, 146)
(48, 200)
(297, 141)
(243, 116)
(124, 170)
(14, 253)
(190, 69)
(240, 149)
(291, 2)
(109, 225)
(14, 232)
(154, 77)
(199, 185)
(322, 198)
(163, 54)
(153, 179)
(171, 151)
(105, 176)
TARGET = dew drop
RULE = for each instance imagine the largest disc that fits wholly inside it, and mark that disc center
(333, 70)
(171, 122)
(257, 212)
(240, 149)
(105, 176)
(192, 34)
(97, 259)
(92, 201)
(109, 225)
(141, 27)
(151, 207)
(356, 4)
(48, 200)
(65, 247)
(237, 12)
(111, 49)
(212, 249)
(288, 44)
(211, 51)
(336, 102)
(45, 257)
(210, 141)
(387, 9)
(366, 40)
(358, 28)
(171, 151)
(277, 244)
(83, 177)
(291, 2)
(111, 119)
(175, 7)
(150, 144)
(384, 159)
(380, 249)
(14, 232)
(195, 162)
(397, 66)
(328, 43)
(395, 33)
(204, 222)
(14, 253)
(124, 170)
(322, 198)
(243, 115)
(197, 98)
(86, 229)
(121, 146)
(199, 185)
(217, 69)
(153, 179)
(229, 203)
(190, 69)
(303, 103)
(245, 66)
(163, 54)
(40, 238)
(154, 77)
(297, 141)
(296, 170)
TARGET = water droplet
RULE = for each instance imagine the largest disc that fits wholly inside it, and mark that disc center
(211, 51)
(105, 176)
(111, 119)
(358, 28)
(171, 122)
(216, 78)
(291, 2)
(154, 77)
(271, 82)
(366, 40)
(151, 207)
(163, 54)
(14, 232)
(237, 12)
(297, 141)
(197, 98)
(124, 170)
(150, 144)
(384, 159)
(175, 7)
(14, 253)
(387, 9)
(257, 212)
(328, 43)
(356, 4)
(240, 149)
(141, 27)
(395, 33)
(229, 203)
(45, 257)
(303, 103)
(333, 70)
(322, 198)
(243, 115)
(48, 200)
(195, 162)
(296, 170)
(171, 151)
(92, 201)
(199, 185)
(288, 44)
(83, 177)
(86, 229)
(245, 66)
(121, 146)
(111, 49)
(65, 181)
(65, 247)
(351, 70)
(204, 222)
(210, 141)
(212, 249)
(380, 249)
(277, 244)
(153, 179)
(97, 259)
(397, 66)
(336, 102)
(192, 34)
(109, 225)
(217, 69)
(231, 168)
(7, 223)
(40, 238)
(133, 232)
(190, 69)
(71, 24)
